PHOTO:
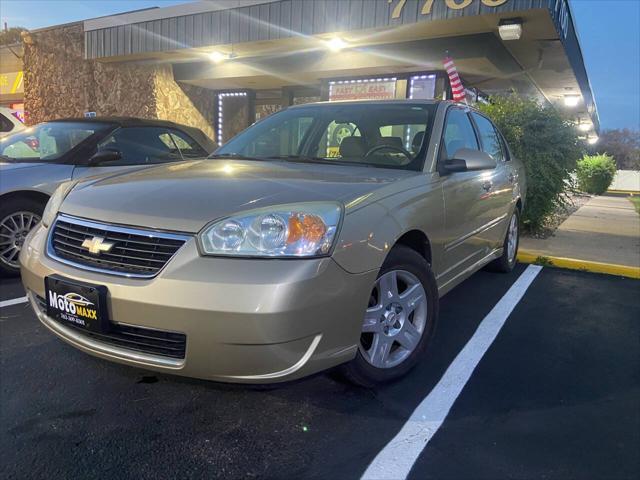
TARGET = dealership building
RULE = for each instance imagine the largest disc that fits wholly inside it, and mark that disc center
(222, 65)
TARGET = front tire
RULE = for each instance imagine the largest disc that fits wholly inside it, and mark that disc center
(399, 320)
(17, 217)
(507, 261)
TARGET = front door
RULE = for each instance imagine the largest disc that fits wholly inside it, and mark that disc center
(501, 194)
(467, 199)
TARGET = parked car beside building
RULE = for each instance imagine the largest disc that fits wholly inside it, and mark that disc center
(280, 257)
(33, 162)
(10, 122)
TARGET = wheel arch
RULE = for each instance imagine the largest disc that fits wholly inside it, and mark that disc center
(34, 195)
(418, 241)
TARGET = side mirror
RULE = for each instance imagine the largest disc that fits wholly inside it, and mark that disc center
(466, 159)
(104, 156)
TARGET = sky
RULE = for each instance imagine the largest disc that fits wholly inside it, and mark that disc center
(609, 32)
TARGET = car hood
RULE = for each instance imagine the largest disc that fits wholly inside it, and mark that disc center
(186, 196)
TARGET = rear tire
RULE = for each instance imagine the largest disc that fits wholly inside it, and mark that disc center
(17, 217)
(508, 260)
(399, 320)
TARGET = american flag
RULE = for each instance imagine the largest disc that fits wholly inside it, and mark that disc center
(457, 89)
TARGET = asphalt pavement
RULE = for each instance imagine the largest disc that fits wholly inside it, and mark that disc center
(556, 395)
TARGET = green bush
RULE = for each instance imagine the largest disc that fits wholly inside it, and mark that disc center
(548, 146)
(595, 173)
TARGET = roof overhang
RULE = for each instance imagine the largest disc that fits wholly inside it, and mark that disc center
(282, 42)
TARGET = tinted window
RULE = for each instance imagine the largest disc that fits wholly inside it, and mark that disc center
(48, 141)
(489, 137)
(142, 145)
(458, 133)
(188, 147)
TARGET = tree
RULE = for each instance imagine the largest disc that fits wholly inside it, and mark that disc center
(623, 145)
(548, 146)
(11, 35)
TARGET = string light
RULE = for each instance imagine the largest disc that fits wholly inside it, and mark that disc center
(221, 97)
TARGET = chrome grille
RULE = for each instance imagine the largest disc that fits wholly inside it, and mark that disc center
(135, 252)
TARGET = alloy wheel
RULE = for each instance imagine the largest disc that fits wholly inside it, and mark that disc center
(395, 319)
(13, 230)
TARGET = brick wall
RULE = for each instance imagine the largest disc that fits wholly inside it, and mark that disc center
(59, 83)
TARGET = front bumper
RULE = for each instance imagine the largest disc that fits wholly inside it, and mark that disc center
(245, 320)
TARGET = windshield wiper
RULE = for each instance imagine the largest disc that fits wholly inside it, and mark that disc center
(307, 159)
(236, 156)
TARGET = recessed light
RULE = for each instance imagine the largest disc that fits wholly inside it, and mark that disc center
(218, 57)
(571, 100)
(510, 29)
(336, 44)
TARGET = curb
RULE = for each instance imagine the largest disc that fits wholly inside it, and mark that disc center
(539, 258)
(622, 193)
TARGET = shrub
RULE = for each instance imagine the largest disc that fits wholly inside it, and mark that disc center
(595, 173)
(548, 146)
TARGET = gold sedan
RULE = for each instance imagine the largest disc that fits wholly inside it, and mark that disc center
(289, 251)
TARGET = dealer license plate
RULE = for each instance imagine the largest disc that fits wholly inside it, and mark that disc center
(80, 304)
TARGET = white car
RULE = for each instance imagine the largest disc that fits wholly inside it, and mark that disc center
(9, 122)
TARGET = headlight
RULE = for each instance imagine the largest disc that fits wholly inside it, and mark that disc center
(299, 230)
(53, 205)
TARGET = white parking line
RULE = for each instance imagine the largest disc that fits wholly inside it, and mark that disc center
(13, 301)
(396, 459)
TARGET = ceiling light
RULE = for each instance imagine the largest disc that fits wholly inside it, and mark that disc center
(510, 29)
(218, 57)
(571, 100)
(593, 140)
(584, 127)
(336, 44)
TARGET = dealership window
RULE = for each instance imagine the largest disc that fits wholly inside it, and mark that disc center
(363, 89)
(422, 87)
(336, 132)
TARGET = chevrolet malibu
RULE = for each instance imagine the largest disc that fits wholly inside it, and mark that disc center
(289, 251)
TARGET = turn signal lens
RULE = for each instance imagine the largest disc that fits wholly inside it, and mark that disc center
(304, 230)
(308, 228)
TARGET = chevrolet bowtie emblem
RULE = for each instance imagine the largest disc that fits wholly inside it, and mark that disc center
(97, 245)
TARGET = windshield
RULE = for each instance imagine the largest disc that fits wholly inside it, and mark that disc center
(378, 135)
(47, 141)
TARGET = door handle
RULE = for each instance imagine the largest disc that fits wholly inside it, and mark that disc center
(487, 186)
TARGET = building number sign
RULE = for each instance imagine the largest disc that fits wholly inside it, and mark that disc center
(452, 4)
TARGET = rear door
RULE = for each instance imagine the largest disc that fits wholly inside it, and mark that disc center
(500, 196)
(467, 199)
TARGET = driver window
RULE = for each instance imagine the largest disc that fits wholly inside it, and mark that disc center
(458, 133)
